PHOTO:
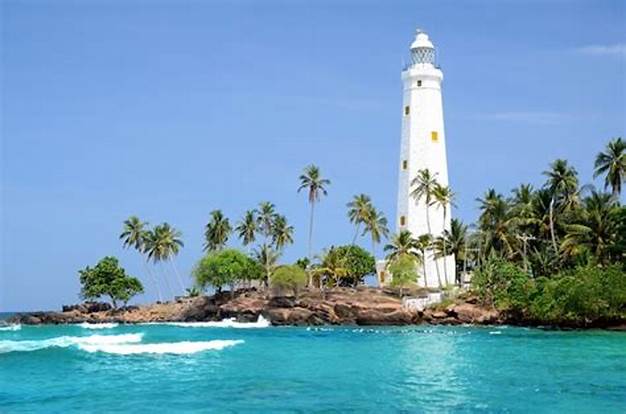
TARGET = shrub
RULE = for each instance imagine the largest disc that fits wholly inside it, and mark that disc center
(223, 268)
(291, 278)
(404, 271)
(347, 265)
(107, 278)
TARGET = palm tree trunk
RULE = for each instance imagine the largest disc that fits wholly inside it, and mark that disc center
(431, 235)
(167, 283)
(552, 224)
(311, 242)
(445, 256)
(153, 277)
(180, 281)
(424, 267)
(356, 233)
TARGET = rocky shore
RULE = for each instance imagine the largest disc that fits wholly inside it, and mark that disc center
(338, 306)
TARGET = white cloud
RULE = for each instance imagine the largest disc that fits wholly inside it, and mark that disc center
(618, 49)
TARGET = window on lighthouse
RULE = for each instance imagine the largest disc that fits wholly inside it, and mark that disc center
(407, 110)
(405, 164)
(419, 83)
(434, 136)
(402, 221)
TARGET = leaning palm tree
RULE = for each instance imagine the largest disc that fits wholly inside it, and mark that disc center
(423, 245)
(425, 183)
(453, 242)
(563, 184)
(217, 231)
(443, 197)
(265, 219)
(358, 209)
(401, 244)
(612, 163)
(376, 225)
(156, 251)
(133, 235)
(247, 228)
(282, 232)
(312, 181)
(170, 240)
(267, 257)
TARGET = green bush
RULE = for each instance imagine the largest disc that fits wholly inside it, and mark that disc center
(225, 268)
(354, 262)
(289, 278)
(404, 271)
(107, 278)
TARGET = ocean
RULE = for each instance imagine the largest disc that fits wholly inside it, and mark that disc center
(230, 367)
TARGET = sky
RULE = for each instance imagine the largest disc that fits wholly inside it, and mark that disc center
(170, 109)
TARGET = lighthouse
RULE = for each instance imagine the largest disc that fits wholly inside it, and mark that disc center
(423, 146)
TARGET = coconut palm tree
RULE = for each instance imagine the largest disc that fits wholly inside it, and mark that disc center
(217, 231)
(331, 266)
(376, 225)
(156, 250)
(453, 241)
(267, 257)
(495, 224)
(358, 209)
(401, 244)
(312, 181)
(443, 197)
(563, 185)
(424, 184)
(612, 163)
(170, 240)
(265, 219)
(282, 232)
(133, 235)
(247, 228)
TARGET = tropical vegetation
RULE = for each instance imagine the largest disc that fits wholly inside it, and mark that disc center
(108, 278)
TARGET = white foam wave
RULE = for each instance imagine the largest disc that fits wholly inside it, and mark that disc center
(11, 328)
(495, 332)
(88, 325)
(66, 341)
(225, 323)
(177, 348)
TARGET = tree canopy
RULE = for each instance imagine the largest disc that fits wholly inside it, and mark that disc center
(224, 268)
(107, 278)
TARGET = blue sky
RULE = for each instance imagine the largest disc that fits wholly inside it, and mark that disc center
(168, 110)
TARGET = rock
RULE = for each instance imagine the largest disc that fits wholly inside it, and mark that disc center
(281, 302)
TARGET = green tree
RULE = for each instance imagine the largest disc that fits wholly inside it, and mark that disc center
(312, 181)
(282, 232)
(330, 269)
(454, 242)
(107, 278)
(170, 241)
(355, 261)
(267, 258)
(562, 183)
(358, 210)
(133, 235)
(443, 197)
(266, 217)
(287, 277)
(403, 269)
(401, 244)
(224, 268)
(217, 231)
(423, 245)
(612, 164)
(495, 224)
(376, 225)
(247, 228)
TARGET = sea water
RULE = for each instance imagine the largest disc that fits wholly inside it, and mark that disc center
(218, 367)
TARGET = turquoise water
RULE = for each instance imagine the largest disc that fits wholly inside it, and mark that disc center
(165, 368)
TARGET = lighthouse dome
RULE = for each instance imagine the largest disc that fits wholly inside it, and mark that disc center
(421, 40)
(422, 50)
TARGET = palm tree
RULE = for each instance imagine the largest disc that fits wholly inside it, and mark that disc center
(376, 225)
(282, 232)
(133, 235)
(453, 242)
(156, 250)
(423, 245)
(401, 244)
(311, 180)
(331, 266)
(613, 164)
(265, 219)
(217, 231)
(444, 198)
(170, 241)
(563, 184)
(425, 183)
(358, 209)
(267, 257)
(246, 229)
(495, 224)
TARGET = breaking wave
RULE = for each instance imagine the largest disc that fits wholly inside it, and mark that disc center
(225, 323)
(66, 341)
(88, 325)
(177, 348)
(11, 328)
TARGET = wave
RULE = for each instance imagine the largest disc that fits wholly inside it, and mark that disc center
(177, 348)
(224, 323)
(11, 328)
(88, 325)
(66, 341)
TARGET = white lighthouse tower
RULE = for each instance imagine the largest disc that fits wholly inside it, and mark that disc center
(423, 147)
